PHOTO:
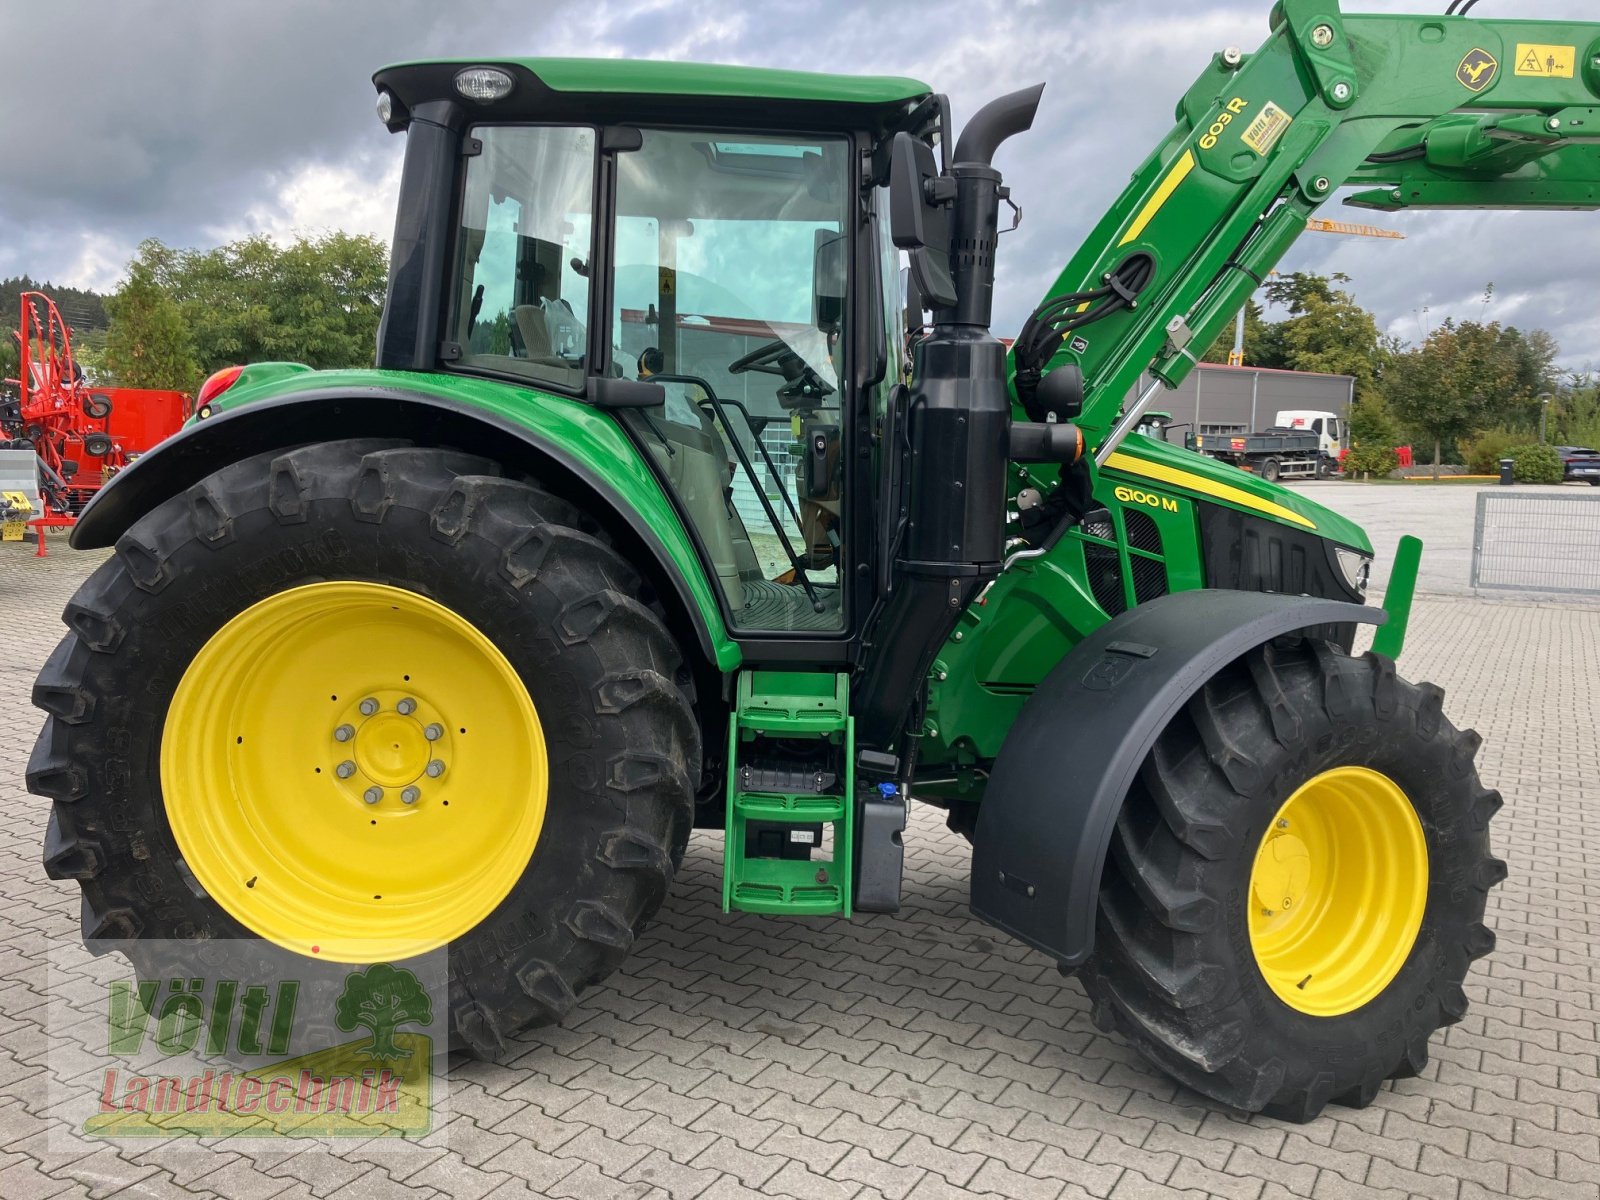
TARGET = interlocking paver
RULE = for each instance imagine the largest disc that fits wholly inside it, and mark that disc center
(678, 1179)
(922, 1055)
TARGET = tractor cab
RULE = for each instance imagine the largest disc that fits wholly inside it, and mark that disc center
(717, 281)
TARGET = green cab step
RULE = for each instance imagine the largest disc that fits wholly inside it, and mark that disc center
(800, 810)
(774, 885)
(776, 709)
(793, 703)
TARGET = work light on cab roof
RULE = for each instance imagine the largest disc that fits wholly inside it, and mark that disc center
(484, 84)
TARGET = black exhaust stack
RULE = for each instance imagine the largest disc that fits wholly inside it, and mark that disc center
(957, 416)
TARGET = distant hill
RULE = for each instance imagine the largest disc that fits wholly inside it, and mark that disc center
(83, 310)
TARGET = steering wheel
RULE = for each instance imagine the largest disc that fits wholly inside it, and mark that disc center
(775, 358)
(803, 387)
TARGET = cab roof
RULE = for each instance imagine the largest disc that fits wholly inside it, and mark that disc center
(614, 89)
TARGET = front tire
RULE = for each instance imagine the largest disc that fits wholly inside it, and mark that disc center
(250, 634)
(1324, 790)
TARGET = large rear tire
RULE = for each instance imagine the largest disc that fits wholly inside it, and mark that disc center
(275, 634)
(1297, 884)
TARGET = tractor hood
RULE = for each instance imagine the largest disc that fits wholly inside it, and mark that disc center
(1204, 478)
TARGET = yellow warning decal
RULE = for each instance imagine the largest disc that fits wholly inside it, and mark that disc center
(1177, 175)
(1206, 487)
(1546, 62)
(1262, 134)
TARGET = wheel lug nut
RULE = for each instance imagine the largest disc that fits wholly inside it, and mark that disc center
(406, 707)
(345, 769)
(411, 795)
(344, 733)
(436, 768)
(373, 794)
(368, 707)
(433, 732)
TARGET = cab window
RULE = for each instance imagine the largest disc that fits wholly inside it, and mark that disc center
(523, 248)
(729, 288)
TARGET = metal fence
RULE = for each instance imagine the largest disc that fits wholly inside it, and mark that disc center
(1537, 542)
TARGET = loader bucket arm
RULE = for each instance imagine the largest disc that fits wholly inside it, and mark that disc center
(1423, 111)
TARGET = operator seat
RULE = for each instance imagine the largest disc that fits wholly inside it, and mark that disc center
(533, 324)
(695, 459)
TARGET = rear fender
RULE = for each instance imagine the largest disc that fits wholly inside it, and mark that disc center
(646, 520)
(1052, 800)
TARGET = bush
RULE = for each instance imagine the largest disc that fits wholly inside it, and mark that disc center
(1535, 463)
(1483, 451)
(1375, 460)
(1371, 423)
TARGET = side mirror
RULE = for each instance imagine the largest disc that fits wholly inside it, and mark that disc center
(919, 218)
(828, 280)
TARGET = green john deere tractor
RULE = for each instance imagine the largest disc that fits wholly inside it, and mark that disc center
(662, 511)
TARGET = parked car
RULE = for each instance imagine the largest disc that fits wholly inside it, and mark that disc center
(1580, 464)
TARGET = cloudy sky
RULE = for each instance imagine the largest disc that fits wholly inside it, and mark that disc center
(201, 122)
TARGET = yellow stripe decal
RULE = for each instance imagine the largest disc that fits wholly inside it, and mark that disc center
(1177, 175)
(1207, 487)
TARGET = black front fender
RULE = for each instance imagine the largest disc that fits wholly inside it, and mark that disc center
(1046, 819)
(321, 415)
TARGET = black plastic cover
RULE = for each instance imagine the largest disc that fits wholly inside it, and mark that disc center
(1253, 554)
(880, 852)
(1052, 799)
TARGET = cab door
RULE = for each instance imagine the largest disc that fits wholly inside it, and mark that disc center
(729, 286)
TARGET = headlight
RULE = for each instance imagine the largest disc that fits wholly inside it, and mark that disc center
(483, 84)
(385, 107)
(1357, 567)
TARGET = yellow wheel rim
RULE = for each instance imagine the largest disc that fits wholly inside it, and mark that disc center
(354, 772)
(1337, 891)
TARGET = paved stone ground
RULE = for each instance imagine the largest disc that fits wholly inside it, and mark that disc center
(925, 1055)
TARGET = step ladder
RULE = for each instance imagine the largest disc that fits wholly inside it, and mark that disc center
(767, 795)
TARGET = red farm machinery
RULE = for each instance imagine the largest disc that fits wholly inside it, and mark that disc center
(83, 434)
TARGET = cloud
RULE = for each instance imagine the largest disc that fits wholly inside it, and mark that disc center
(357, 196)
(196, 121)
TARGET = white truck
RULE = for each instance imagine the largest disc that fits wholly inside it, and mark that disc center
(1302, 444)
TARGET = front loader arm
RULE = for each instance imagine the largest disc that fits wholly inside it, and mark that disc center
(1427, 111)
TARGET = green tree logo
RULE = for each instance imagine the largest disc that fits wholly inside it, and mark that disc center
(382, 998)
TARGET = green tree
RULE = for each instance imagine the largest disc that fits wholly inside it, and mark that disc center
(148, 345)
(380, 999)
(1445, 388)
(1372, 424)
(1334, 336)
(81, 309)
(1298, 289)
(1326, 331)
(1255, 334)
(1575, 415)
(317, 301)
